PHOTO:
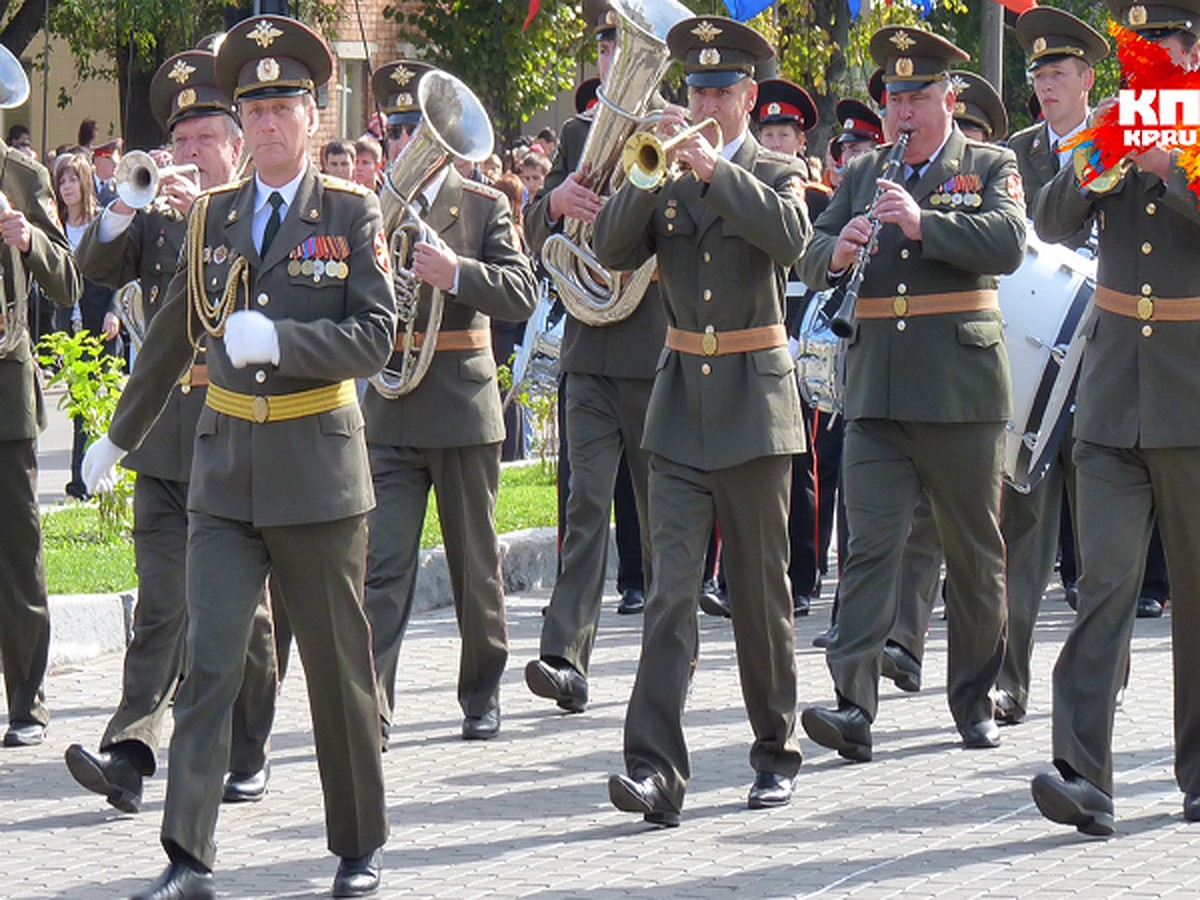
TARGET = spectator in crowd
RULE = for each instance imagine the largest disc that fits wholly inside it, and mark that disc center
(19, 138)
(106, 158)
(533, 171)
(338, 158)
(87, 134)
(492, 168)
(368, 154)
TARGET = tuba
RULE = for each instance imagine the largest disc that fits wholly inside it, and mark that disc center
(453, 123)
(14, 311)
(131, 311)
(138, 178)
(589, 291)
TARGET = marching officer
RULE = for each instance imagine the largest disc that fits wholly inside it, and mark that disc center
(34, 247)
(447, 429)
(124, 244)
(724, 418)
(285, 277)
(1137, 447)
(927, 385)
(606, 375)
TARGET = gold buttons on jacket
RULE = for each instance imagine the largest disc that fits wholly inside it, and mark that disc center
(1147, 248)
(1147, 290)
(705, 369)
(902, 288)
(158, 267)
(670, 226)
(1151, 208)
(901, 325)
(1147, 331)
(707, 295)
(260, 376)
(707, 256)
(904, 253)
(263, 299)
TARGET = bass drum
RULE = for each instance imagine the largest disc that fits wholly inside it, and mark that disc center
(1045, 303)
(819, 357)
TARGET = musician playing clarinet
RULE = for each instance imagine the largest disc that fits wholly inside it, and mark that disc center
(927, 385)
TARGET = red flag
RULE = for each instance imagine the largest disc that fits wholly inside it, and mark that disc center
(1017, 6)
(534, 6)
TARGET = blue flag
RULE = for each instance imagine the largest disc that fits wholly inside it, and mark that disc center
(744, 10)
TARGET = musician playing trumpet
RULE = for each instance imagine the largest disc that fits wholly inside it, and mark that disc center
(927, 386)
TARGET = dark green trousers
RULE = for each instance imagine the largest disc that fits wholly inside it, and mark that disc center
(751, 502)
(320, 568)
(605, 417)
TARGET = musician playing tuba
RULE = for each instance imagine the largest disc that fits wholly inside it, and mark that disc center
(445, 431)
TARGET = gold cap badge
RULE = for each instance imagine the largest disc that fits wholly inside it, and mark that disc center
(267, 69)
(774, 109)
(902, 41)
(710, 56)
(1137, 15)
(181, 72)
(904, 66)
(1039, 45)
(186, 98)
(706, 31)
(264, 34)
(403, 76)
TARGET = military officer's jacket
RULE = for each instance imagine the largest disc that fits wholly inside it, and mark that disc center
(625, 349)
(1038, 166)
(723, 253)
(26, 184)
(1139, 385)
(457, 404)
(148, 250)
(332, 326)
(949, 367)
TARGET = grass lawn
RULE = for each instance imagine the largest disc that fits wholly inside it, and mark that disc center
(80, 561)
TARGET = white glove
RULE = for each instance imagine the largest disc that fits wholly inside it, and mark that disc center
(100, 465)
(250, 338)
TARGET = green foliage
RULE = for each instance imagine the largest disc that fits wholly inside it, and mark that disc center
(542, 411)
(93, 380)
(81, 556)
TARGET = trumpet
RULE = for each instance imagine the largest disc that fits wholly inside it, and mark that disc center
(139, 178)
(132, 312)
(644, 157)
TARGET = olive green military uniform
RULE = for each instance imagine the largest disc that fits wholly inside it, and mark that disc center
(927, 398)
(288, 497)
(148, 250)
(722, 431)
(607, 373)
(24, 613)
(447, 433)
(1137, 456)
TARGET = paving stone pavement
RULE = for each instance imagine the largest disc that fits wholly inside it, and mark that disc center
(527, 815)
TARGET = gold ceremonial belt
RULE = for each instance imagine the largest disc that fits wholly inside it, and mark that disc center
(471, 339)
(280, 407)
(1160, 309)
(722, 343)
(902, 305)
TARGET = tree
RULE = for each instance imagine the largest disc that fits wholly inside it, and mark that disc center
(21, 22)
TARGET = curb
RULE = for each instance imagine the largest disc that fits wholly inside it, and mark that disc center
(85, 626)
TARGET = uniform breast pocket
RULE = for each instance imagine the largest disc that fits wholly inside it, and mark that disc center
(775, 362)
(478, 368)
(673, 221)
(316, 298)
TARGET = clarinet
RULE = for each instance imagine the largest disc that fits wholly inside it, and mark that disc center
(842, 323)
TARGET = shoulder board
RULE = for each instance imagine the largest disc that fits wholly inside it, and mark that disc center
(1025, 132)
(333, 183)
(229, 185)
(484, 190)
(24, 161)
(773, 156)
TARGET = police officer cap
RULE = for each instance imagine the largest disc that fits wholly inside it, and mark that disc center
(599, 16)
(585, 95)
(859, 122)
(185, 87)
(1160, 19)
(780, 102)
(913, 59)
(877, 89)
(395, 88)
(109, 148)
(272, 56)
(977, 103)
(1049, 35)
(717, 52)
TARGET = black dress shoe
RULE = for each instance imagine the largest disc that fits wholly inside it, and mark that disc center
(633, 601)
(983, 735)
(180, 882)
(801, 605)
(1150, 608)
(24, 734)
(111, 773)
(1191, 807)
(643, 797)
(1074, 801)
(714, 601)
(243, 788)
(770, 789)
(1071, 594)
(1007, 711)
(845, 729)
(561, 683)
(482, 728)
(901, 667)
(358, 876)
(826, 637)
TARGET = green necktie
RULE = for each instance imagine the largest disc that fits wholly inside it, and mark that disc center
(273, 222)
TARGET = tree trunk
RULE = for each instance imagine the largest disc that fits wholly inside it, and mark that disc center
(25, 23)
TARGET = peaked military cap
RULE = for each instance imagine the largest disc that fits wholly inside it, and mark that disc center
(185, 87)
(395, 88)
(266, 56)
(1178, 15)
(211, 42)
(716, 51)
(599, 16)
(859, 122)
(780, 102)
(877, 89)
(912, 59)
(977, 102)
(585, 95)
(1048, 35)
(109, 148)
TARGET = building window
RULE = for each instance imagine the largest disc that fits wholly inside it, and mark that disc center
(352, 102)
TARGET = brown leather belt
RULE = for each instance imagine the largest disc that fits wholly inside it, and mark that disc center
(470, 339)
(196, 376)
(903, 305)
(722, 343)
(1159, 309)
